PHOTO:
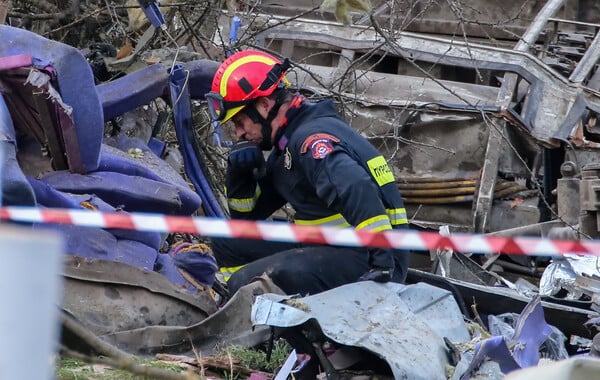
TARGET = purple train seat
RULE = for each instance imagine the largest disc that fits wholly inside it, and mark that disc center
(140, 87)
(48, 79)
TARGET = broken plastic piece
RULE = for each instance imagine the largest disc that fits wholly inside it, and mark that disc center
(153, 12)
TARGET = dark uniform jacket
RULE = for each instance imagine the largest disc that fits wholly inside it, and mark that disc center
(329, 174)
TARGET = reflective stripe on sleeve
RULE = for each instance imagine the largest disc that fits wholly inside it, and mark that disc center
(376, 224)
(244, 204)
(397, 216)
(336, 220)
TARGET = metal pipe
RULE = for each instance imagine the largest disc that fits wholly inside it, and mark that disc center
(587, 62)
(539, 23)
(539, 229)
(439, 200)
(408, 181)
(436, 185)
(573, 22)
(516, 267)
(438, 192)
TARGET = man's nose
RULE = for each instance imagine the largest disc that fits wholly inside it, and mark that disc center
(239, 132)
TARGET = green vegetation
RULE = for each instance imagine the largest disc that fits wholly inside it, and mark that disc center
(248, 359)
(76, 369)
(257, 359)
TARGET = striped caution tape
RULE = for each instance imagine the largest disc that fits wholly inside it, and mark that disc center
(285, 232)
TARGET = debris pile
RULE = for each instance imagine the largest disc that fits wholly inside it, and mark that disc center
(489, 131)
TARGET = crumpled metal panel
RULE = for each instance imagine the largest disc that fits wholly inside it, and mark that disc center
(109, 297)
(403, 324)
(229, 325)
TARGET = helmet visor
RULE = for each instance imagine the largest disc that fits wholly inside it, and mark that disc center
(218, 107)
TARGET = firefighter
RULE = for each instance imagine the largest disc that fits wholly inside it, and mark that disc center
(323, 168)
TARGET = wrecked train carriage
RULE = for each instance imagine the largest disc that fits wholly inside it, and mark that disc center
(493, 21)
(446, 115)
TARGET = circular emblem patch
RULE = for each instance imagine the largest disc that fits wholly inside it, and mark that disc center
(319, 144)
(321, 148)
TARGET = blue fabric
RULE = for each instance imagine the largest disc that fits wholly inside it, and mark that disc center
(157, 146)
(201, 73)
(496, 349)
(135, 253)
(130, 193)
(199, 263)
(531, 331)
(164, 265)
(149, 165)
(133, 90)
(96, 243)
(48, 196)
(188, 143)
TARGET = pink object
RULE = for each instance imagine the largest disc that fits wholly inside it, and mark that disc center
(14, 61)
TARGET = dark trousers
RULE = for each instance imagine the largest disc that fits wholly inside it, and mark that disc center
(296, 268)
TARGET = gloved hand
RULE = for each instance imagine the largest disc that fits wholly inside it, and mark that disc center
(246, 155)
(378, 275)
(381, 261)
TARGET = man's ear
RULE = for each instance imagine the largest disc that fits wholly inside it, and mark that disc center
(263, 105)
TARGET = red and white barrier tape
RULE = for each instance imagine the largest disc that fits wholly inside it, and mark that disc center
(285, 232)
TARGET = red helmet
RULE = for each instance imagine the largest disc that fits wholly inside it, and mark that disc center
(241, 78)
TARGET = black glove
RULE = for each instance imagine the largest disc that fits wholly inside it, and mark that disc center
(381, 261)
(246, 155)
(378, 275)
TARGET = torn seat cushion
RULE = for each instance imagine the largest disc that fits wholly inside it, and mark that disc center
(75, 82)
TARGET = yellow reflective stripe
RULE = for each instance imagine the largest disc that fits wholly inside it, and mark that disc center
(236, 64)
(376, 224)
(397, 216)
(244, 204)
(241, 205)
(228, 271)
(336, 220)
(380, 170)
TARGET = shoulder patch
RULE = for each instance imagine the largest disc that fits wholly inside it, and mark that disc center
(320, 144)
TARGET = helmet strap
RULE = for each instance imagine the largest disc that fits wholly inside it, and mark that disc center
(267, 129)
